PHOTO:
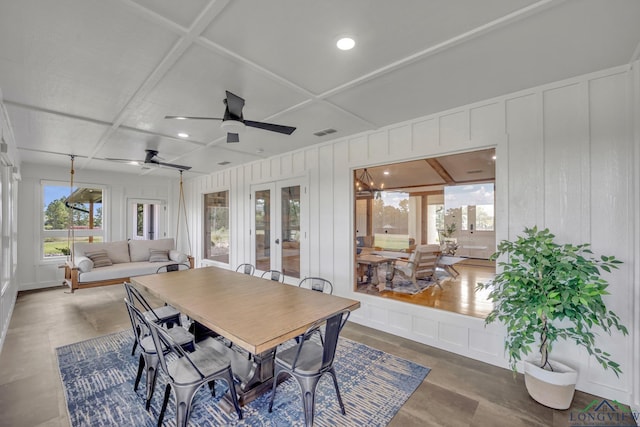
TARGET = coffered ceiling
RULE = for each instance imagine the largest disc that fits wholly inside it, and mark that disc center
(95, 78)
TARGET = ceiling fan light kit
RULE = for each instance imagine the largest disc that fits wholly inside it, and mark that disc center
(233, 122)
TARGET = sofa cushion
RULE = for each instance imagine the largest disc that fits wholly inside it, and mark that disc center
(99, 258)
(122, 270)
(158, 255)
(117, 252)
(178, 256)
(139, 249)
(83, 263)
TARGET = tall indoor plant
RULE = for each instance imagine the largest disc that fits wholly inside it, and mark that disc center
(547, 291)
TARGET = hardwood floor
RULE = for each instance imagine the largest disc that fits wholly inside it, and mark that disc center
(457, 294)
(457, 392)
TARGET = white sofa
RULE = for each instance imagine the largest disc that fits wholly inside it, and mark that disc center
(127, 258)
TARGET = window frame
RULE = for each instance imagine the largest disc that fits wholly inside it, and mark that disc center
(206, 231)
(43, 234)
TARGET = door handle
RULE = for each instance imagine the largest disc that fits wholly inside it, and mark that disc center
(277, 241)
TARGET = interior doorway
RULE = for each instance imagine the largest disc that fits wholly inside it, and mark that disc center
(147, 219)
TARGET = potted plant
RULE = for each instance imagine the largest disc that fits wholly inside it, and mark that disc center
(544, 292)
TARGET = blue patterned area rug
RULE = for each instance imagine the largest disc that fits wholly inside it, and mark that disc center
(98, 376)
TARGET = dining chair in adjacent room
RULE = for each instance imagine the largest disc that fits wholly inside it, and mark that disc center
(308, 361)
(317, 284)
(148, 354)
(246, 269)
(164, 315)
(275, 275)
(187, 372)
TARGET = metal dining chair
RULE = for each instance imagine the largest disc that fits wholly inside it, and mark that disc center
(275, 275)
(148, 355)
(246, 268)
(317, 284)
(308, 361)
(167, 268)
(187, 372)
(163, 315)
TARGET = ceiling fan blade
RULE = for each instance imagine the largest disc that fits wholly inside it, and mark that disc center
(131, 161)
(270, 126)
(192, 118)
(172, 165)
(233, 137)
(235, 104)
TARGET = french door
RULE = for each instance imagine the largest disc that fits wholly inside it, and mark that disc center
(279, 226)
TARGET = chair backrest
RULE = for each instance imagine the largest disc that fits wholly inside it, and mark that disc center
(135, 298)
(317, 284)
(425, 259)
(139, 324)
(165, 345)
(246, 269)
(275, 275)
(333, 327)
(172, 267)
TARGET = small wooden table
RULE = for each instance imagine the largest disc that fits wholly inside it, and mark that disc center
(255, 314)
(372, 262)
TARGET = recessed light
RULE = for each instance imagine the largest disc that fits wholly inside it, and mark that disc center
(345, 43)
(386, 172)
(183, 135)
(180, 118)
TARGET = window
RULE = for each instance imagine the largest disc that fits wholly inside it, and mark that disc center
(70, 214)
(475, 205)
(216, 227)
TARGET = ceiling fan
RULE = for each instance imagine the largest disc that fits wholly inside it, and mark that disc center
(233, 121)
(153, 159)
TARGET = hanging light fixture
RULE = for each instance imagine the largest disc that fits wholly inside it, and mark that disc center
(365, 185)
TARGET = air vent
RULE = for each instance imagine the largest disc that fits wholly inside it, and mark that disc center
(224, 163)
(475, 171)
(325, 132)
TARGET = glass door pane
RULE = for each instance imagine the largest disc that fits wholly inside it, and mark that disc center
(290, 230)
(263, 229)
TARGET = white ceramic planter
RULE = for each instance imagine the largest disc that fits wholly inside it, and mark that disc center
(555, 388)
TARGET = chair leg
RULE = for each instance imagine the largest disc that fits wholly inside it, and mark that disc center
(152, 374)
(273, 388)
(139, 374)
(167, 392)
(212, 387)
(308, 386)
(184, 398)
(332, 372)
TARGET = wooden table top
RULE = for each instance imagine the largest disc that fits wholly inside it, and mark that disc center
(372, 259)
(254, 313)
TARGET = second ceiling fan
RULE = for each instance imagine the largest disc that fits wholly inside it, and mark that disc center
(233, 121)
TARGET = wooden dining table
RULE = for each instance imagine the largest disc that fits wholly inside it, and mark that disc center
(253, 313)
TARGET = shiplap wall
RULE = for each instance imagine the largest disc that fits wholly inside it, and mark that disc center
(565, 160)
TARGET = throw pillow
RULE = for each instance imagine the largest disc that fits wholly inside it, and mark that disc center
(158, 255)
(99, 258)
(84, 264)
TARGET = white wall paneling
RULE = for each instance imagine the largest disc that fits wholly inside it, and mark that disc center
(563, 161)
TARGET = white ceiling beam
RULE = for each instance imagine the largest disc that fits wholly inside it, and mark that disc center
(203, 20)
(447, 44)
